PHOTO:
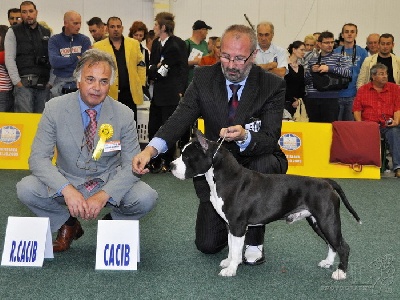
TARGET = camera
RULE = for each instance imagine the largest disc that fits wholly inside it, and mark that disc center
(42, 61)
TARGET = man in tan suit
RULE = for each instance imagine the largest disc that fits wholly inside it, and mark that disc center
(384, 56)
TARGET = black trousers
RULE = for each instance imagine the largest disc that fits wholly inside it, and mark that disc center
(211, 229)
(157, 117)
(323, 110)
(125, 97)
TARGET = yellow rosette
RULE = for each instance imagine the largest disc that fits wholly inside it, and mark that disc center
(105, 132)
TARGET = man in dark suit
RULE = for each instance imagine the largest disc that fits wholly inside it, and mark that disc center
(168, 71)
(251, 133)
(86, 177)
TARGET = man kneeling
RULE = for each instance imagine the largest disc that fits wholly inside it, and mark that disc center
(86, 177)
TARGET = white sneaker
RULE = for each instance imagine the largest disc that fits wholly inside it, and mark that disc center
(253, 255)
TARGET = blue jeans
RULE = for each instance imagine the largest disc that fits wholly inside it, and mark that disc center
(392, 136)
(30, 100)
(346, 109)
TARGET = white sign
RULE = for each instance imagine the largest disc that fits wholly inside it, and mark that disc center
(27, 242)
(117, 245)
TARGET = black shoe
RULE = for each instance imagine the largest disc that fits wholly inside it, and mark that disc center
(107, 217)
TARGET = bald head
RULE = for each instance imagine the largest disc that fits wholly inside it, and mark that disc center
(72, 23)
(373, 43)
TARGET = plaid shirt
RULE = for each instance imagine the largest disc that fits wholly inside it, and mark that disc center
(375, 106)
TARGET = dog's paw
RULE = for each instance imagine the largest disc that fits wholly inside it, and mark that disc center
(225, 263)
(326, 264)
(339, 275)
(228, 272)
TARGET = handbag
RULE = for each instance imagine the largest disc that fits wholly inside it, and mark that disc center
(300, 114)
(355, 144)
(329, 81)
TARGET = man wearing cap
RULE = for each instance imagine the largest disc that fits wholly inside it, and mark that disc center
(197, 45)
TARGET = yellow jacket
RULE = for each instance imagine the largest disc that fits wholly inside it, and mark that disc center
(137, 74)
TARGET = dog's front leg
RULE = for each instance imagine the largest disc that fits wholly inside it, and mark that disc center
(234, 259)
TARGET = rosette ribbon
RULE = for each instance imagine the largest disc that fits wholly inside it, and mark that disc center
(105, 132)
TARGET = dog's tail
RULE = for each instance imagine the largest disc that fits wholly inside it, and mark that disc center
(342, 196)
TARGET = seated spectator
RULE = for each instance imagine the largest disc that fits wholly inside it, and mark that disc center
(379, 101)
(213, 56)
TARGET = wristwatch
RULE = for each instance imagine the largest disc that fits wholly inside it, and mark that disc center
(246, 135)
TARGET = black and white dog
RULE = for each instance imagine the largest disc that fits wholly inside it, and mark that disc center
(243, 198)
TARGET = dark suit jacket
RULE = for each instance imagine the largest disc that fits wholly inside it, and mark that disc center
(262, 98)
(167, 89)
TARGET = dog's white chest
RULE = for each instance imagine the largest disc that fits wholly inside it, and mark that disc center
(216, 201)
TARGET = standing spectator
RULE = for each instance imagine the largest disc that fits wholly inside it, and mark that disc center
(269, 56)
(211, 43)
(372, 44)
(213, 56)
(168, 70)
(65, 50)
(131, 69)
(27, 61)
(379, 101)
(138, 31)
(312, 48)
(385, 56)
(197, 46)
(97, 29)
(323, 106)
(355, 56)
(295, 87)
(14, 16)
(6, 96)
(149, 40)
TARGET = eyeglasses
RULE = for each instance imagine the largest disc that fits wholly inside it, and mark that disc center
(236, 60)
(14, 18)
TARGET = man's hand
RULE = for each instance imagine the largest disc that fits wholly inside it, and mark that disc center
(95, 204)
(19, 84)
(140, 161)
(75, 201)
(233, 133)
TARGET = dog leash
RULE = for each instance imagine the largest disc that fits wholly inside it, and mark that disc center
(220, 141)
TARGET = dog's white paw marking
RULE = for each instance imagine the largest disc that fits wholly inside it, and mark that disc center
(225, 263)
(228, 272)
(339, 275)
(326, 264)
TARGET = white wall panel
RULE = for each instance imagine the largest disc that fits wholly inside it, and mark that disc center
(293, 19)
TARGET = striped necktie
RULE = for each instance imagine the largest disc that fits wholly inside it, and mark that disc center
(90, 130)
(233, 102)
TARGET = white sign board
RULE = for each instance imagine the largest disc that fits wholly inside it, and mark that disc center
(27, 242)
(117, 245)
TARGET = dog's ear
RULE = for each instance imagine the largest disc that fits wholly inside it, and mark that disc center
(202, 140)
